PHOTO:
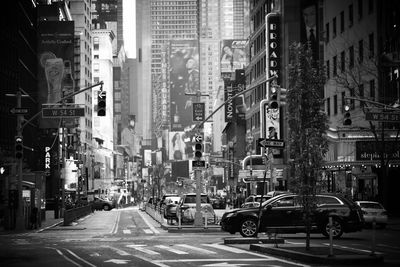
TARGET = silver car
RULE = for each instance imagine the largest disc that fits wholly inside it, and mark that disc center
(373, 210)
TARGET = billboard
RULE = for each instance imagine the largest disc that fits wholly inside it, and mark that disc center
(56, 64)
(184, 79)
(233, 55)
(309, 30)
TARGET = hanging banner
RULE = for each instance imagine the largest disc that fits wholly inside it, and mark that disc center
(56, 64)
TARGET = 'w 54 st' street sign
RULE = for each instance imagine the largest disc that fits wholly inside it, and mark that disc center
(383, 116)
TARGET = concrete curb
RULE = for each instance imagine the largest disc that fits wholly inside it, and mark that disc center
(347, 259)
(253, 240)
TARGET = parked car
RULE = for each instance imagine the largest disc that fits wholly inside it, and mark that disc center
(187, 207)
(218, 203)
(164, 200)
(102, 204)
(170, 207)
(254, 200)
(373, 210)
(284, 213)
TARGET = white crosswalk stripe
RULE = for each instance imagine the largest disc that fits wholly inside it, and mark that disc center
(168, 248)
(142, 249)
(226, 248)
(148, 231)
(190, 249)
(202, 250)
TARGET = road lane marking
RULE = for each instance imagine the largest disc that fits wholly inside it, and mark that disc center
(118, 251)
(226, 248)
(350, 248)
(202, 250)
(170, 249)
(142, 249)
(148, 231)
(149, 224)
(114, 230)
(79, 258)
(68, 259)
(126, 231)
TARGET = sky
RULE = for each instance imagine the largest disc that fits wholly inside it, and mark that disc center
(129, 27)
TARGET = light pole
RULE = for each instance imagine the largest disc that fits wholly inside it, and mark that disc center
(250, 139)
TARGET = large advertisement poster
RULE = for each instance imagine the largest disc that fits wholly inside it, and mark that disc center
(233, 55)
(56, 64)
(184, 78)
(309, 31)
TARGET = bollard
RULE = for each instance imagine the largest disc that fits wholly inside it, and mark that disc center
(330, 237)
(373, 236)
(205, 221)
(179, 219)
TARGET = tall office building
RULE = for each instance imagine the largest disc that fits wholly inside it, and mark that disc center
(169, 21)
(80, 12)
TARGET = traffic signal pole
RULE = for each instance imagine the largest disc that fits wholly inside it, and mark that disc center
(20, 221)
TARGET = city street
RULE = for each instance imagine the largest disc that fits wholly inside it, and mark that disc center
(130, 237)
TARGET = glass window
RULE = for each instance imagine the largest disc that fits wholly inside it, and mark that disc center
(334, 27)
(351, 20)
(342, 21)
(335, 105)
(351, 56)
(327, 200)
(284, 202)
(334, 66)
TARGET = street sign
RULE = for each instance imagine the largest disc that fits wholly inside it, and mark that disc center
(198, 111)
(271, 143)
(198, 164)
(383, 116)
(198, 138)
(19, 111)
(63, 112)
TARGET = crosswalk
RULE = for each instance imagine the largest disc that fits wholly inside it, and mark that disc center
(176, 249)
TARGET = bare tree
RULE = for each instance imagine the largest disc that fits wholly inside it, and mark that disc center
(307, 128)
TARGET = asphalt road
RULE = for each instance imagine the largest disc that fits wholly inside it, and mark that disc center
(130, 237)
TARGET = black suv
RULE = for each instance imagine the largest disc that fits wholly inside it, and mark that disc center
(284, 214)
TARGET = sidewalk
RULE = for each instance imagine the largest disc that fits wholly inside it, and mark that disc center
(45, 224)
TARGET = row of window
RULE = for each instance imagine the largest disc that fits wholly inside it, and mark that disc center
(350, 19)
(351, 57)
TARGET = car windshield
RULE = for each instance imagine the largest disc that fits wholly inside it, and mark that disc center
(192, 199)
(371, 205)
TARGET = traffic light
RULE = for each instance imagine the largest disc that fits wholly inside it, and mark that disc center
(198, 150)
(282, 96)
(19, 147)
(347, 116)
(273, 96)
(101, 104)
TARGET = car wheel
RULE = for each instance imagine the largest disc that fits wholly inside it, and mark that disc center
(248, 227)
(106, 207)
(337, 228)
